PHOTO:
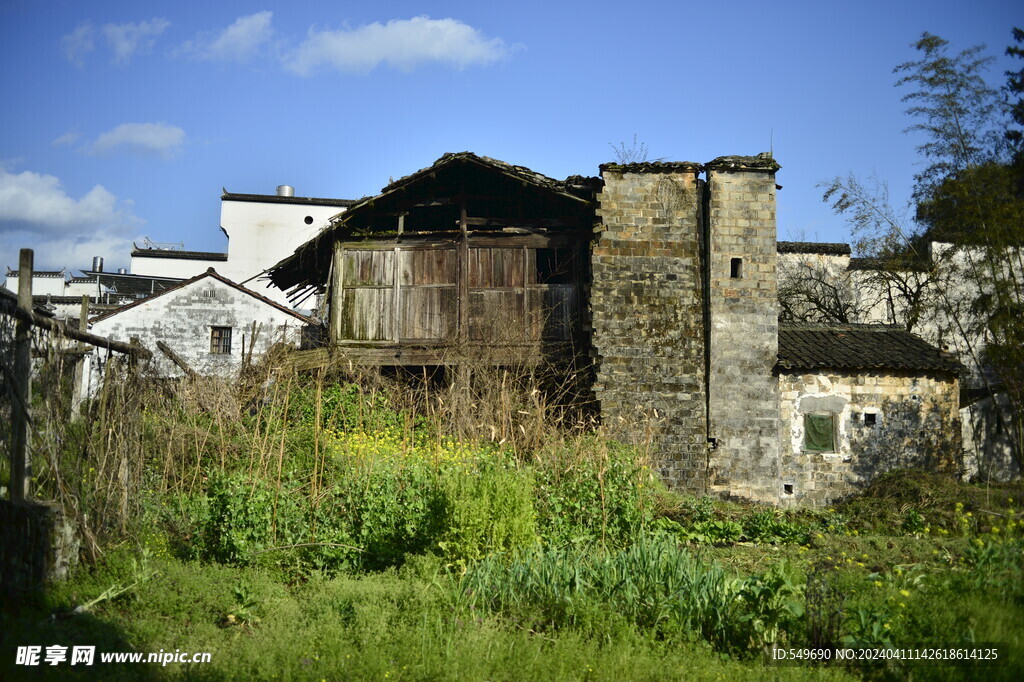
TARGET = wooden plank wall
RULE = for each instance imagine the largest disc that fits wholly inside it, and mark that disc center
(409, 294)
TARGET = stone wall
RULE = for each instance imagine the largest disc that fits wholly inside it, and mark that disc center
(915, 424)
(743, 306)
(648, 316)
(38, 544)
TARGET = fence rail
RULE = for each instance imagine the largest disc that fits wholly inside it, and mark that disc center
(19, 379)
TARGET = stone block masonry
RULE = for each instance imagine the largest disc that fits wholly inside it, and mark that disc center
(743, 403)
(648, 315)
(883, 420)
(685, 320)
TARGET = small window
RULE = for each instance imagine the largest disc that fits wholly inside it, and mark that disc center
(220, 340)
(787, 488)
(209, 293)
(870, 418)
(819, 433)
(736, 268)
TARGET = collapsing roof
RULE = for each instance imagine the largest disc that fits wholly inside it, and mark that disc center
(178, 255)
(858, 347)
(495, 193)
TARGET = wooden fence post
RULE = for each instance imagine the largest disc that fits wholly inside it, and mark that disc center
(21, 465)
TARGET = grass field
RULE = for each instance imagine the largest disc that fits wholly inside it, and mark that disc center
(325, 530)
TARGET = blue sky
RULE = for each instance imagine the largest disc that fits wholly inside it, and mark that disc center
(124, 119)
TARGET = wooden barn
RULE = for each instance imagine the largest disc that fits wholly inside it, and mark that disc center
(470, 257)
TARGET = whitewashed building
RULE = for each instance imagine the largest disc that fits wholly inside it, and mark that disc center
(208, 322)
(261, 230)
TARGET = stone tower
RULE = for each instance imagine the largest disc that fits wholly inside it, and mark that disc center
(743, 313)
(685, 320)
(647, 314)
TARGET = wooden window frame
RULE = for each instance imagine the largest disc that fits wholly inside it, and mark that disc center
(220, 340)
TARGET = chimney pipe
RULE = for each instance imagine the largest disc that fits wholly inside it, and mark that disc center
(97, 264)
(285, 191)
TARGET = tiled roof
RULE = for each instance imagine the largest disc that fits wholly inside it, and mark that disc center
(865, 264)
(858, 347)
(763, 161)
(38, 273)
(308, 265)
(9, 300)
(651, 167)
(184, 283)
(180, 255)
(824, 248)
(277, 199)
(517, 172)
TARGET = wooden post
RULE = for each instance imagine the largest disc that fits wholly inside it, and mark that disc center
(462, 274)
(336, 293)
(79, 380)
(21, 466)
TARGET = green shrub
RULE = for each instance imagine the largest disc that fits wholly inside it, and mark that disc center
(487, 511)
(595, 491)
(248, 516)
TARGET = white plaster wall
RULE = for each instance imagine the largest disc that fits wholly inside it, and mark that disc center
(176, 267)
(41, 286)
(259, 236)
(183, 320)
(80, 288)
(262, 234)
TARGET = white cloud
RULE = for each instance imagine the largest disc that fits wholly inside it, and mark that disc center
(128, 39)
(160, 139)
(36, 212)
(401, 43)
(239, 42)
(67, 139)
(79, 43)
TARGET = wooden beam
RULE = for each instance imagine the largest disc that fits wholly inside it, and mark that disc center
(21, 465)
(61, 329)
(524, 222)
(462, 277)
(335, 292)
(176, 359)
(418, 356)
(411, 241)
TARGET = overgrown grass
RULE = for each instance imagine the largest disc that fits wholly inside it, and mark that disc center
(332, 526)
(390, 625)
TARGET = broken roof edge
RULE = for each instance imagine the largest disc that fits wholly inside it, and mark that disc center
(762, 162)
(522, 173)
(210, 272)
(652, 167)
(138, 252)
(338, 221)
